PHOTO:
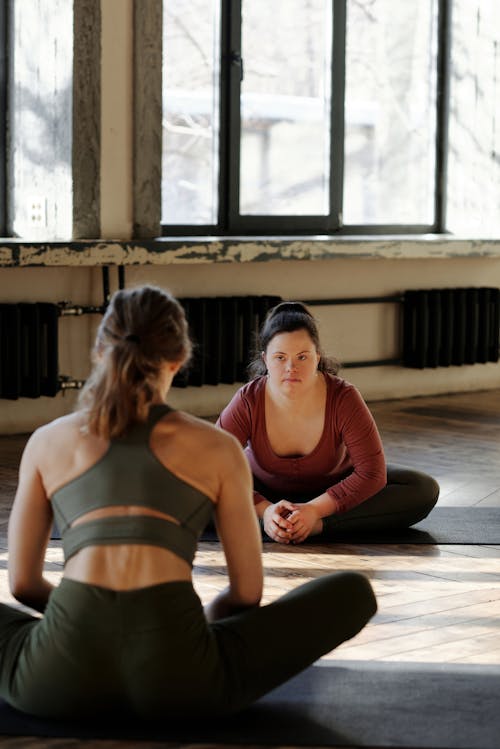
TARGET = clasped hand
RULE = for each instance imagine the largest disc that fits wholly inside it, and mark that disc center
(287, 522)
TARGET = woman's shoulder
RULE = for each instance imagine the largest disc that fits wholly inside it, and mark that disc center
(342, 392)
(247, 397)
(200, 430)
(54, 443)
(61, 429)
(194, 447)
(189, 422)
(338, 385)
(250, 390)
(252, 393)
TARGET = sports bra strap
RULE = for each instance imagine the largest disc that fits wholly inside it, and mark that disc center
(139, 433)
(120, 529)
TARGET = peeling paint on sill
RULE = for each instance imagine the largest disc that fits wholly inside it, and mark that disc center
(194, 250)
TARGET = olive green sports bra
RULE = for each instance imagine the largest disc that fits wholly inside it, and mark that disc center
(129, 473)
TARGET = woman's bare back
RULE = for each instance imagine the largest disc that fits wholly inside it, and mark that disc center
(188, 447)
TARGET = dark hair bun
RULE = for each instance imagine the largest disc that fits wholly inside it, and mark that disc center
(296, 307)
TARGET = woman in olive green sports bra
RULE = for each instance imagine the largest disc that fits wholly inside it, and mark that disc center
(131, 484)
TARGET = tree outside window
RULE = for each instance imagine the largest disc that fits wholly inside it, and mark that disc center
(368, 75)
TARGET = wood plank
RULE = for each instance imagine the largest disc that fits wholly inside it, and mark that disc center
(437, 603)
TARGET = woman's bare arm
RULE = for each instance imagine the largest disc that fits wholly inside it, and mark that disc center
(239, 533)
(30, 523)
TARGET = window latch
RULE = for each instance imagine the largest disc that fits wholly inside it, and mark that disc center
(236, 59)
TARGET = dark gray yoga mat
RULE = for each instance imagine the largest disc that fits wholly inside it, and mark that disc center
(444, 525)
(362, 704)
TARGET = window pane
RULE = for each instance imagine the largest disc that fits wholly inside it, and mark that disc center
(474, 135)
(390, 117)
(190, 168)
(285, 107)
(40, 124)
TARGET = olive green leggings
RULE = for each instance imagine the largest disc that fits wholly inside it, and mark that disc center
(408, 497)
(151, 652)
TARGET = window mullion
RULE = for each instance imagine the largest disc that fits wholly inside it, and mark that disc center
(233, 72)
(442, 112)
(3, 123)
(224, 116)
(339, 20)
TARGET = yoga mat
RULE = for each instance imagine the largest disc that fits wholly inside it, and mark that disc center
(362, 704)
(444, 525)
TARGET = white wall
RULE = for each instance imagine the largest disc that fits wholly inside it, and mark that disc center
(349, 332)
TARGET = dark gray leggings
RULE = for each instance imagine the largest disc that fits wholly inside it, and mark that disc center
(151, 652)
(408, 497)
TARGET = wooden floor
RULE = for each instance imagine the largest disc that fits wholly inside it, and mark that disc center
(437, 604)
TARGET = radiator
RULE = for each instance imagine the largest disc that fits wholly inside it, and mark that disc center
(443, 327)
(28, 350)
(223, 330)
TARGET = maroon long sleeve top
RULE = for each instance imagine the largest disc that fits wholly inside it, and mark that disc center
(348, 461)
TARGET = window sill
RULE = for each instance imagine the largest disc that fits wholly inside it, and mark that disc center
(191, 250)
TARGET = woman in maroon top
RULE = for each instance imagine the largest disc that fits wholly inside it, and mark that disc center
(312, 444)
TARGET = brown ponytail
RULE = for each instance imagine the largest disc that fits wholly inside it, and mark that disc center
(142, 329)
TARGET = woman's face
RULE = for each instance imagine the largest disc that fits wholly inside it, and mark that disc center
(292, 360)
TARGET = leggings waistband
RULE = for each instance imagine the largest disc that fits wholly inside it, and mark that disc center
(97, 607)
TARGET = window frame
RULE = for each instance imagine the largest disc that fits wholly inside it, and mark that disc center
(85, 121)
(4, 68)
(232, 223)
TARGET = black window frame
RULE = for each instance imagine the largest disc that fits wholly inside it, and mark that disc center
(4, 61)
(231, 223)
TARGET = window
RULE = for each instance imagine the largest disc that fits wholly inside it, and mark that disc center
(40, 113)
(390, 112)
(191, 81)
(3, 116)
(285, 104)
(474, 132)
(330, 116)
